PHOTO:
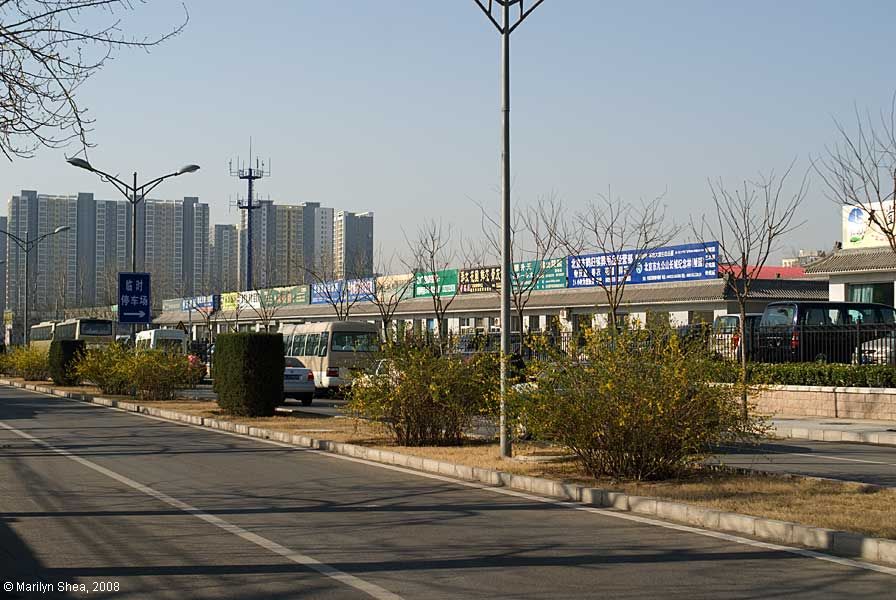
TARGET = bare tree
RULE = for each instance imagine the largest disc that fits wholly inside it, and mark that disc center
(48, 48)
(860, 170)
(749, 224)
(387, 291)
(622, 235)
(533, 247)
(431, 254)
(334, 285)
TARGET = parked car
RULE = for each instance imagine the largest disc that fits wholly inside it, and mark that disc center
(726, 340)
(880, 351)
(820, 331)
(298, 381)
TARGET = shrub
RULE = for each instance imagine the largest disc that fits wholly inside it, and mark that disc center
(812, 373)
(632, 404)
(249, 373)
(29, 363)
(157, 375)
(62, 357)
(108, 368)
(424, 397)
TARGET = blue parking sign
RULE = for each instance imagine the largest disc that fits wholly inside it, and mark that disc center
(134, 299)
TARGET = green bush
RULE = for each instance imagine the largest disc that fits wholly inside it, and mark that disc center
(810, 373)
(249, 373)
(29, 363)
(632, 404)
(424, 397)
(108, 368)
(62, 357)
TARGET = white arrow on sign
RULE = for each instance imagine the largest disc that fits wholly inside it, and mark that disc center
(140, 314)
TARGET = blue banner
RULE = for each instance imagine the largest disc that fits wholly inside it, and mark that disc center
(687, 262)
(134, 299)
(337, 292)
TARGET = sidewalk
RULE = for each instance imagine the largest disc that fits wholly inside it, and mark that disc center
(835, 430)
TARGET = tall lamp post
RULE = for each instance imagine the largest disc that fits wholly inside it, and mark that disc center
(135, 194)
(505, 28)
(26, 246)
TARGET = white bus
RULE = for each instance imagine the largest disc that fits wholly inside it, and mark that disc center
(41, 335)
(172, 340)
(331, 350)
(94, 332)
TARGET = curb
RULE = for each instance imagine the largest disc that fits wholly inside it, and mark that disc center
(840, 543)
(876, 438)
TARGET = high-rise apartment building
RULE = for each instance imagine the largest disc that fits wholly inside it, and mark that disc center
(224, 259)
(53, 264)
(176, 246)
(278, 245)
(80, 266)
(3, 243)
(353, 244)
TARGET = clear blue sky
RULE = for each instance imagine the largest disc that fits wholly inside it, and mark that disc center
(392, 105)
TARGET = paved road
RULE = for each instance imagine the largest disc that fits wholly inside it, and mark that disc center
(852, 462)
(169, 511)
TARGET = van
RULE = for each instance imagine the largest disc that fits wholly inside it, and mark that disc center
(726, 341)
(332, 350)
(820, 331)
(172, 340)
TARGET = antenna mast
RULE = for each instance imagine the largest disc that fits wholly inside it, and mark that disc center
(250, 174)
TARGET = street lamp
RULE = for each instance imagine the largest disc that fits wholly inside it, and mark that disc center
(505, 28)
(134, 193)
(27, 246)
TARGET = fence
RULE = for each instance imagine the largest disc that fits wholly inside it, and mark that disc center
(856, 344)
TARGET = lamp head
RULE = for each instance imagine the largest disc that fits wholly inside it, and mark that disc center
(60, 229)
(80, 163)
(188, 169)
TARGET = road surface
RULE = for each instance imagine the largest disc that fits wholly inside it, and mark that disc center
(91, 495)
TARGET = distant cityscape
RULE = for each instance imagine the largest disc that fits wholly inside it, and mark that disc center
(177, 244)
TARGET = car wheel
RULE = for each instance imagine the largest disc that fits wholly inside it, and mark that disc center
(307, 399)
(821, 357)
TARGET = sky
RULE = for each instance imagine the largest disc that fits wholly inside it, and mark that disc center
(392, 106)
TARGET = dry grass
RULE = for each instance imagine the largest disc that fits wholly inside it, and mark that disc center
(833, 505)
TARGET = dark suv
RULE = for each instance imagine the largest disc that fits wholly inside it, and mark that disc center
(820, 331)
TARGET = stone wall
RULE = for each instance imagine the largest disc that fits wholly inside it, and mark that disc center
(828, 402)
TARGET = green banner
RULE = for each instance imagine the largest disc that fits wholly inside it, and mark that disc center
(548, 274)
(443, 283)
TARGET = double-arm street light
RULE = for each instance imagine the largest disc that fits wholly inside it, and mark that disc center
(507, 25)
(135, 194)
(26, 246)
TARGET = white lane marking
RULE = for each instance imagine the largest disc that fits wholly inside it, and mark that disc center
(372, 590)
(847, 562)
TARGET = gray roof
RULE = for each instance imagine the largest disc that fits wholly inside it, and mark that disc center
(684, 293)
(855, 261)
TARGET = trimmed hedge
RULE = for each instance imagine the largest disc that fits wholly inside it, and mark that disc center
(62, 357)
(248, 377)
(813, 373)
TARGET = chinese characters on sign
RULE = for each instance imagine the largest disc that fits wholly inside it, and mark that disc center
(336, 292)
(482, 279)
(686, 262)
(134, 300)
(443, 283)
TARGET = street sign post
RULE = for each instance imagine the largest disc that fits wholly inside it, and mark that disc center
(134, 299)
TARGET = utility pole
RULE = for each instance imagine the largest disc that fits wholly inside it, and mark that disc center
(505, 28)
(250, 174)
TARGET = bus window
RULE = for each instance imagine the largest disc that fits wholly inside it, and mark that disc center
(95, 327)
(350, 341)
(298, 345)
(321, 344)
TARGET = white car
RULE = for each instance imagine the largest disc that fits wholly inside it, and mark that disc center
(298, 381)
(880, 351)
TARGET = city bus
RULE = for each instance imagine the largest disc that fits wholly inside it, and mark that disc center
(94, 332)
(42, 334)
(331, 350)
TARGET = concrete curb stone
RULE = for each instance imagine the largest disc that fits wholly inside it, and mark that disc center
(783, 532)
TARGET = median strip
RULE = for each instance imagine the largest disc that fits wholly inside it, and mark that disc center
(840, 543)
